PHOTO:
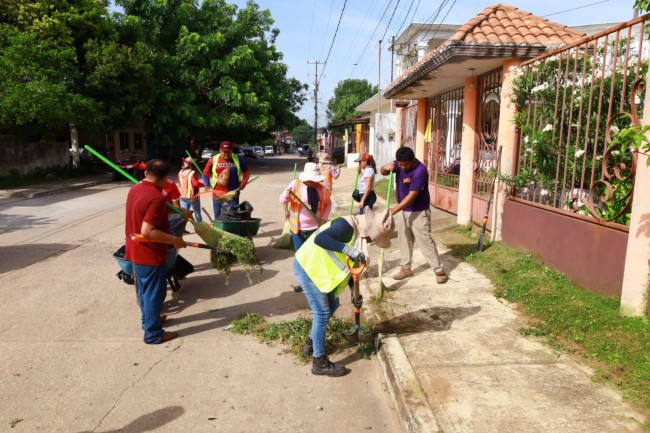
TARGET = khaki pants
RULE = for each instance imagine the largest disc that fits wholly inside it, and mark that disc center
(416, 226)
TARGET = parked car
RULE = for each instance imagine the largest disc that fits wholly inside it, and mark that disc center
(249, 152)
(212, 148)
(303, 150)
(259, 151)
(268, 150)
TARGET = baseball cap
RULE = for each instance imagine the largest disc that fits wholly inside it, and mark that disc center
(363, 157)
(225, 145)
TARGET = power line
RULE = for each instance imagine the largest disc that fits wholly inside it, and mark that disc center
(574, 9)
(334, 38)
(390, 21)
(407, 16)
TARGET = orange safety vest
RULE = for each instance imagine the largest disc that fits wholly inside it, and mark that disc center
(186, 189)
(327, 182)
(294, 206)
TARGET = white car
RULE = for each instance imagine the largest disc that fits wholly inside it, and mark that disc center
(268, 150)
(259, 151)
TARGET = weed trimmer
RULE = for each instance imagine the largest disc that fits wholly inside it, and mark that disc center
(487, 208)
(381, 289)
(357, 301)
(211, 235)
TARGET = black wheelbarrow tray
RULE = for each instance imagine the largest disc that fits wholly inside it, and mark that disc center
(246, 228)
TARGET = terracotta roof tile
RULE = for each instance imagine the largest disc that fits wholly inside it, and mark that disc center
(499, 25)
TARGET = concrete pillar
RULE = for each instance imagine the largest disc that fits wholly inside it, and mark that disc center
(508, 142)
(467, 151)
(421, 126)
(634, 294)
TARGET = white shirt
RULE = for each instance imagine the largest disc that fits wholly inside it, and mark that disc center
(367, 172)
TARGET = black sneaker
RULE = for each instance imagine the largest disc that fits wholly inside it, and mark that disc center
(297, 289)
(308, 348)
(323, 367)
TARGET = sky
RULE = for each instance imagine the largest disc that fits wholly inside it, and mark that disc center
(343, 35)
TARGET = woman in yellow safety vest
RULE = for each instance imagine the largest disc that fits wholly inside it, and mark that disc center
(310, 190)
(320, 266)
(190, 183)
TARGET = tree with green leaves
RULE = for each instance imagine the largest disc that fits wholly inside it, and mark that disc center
(61, 65)
(347, 95)
(303, 133)
(216, 68)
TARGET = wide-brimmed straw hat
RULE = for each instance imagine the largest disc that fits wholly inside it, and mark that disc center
(379, 226)
(311, 172)
(324, 158)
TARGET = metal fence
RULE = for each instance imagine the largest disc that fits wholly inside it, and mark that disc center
(577, 111)
(409, 126)
(487, 127)
(443, 137)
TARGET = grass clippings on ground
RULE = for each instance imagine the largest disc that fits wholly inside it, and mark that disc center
(294, 333)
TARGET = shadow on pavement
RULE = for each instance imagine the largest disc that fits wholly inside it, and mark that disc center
(149, 422)
(20, 256)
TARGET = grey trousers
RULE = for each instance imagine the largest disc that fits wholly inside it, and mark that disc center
(416, 227)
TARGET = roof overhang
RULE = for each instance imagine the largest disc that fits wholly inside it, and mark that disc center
(349, 122)
(451, 64)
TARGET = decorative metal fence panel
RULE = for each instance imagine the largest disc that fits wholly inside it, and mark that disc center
(443, 138)
(487, 127)
(578, 115)
(409, 126)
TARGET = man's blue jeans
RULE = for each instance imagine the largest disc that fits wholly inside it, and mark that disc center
(194, 205)
(151, 282)
(323, 306)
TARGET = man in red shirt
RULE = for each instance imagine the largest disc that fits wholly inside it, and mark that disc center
(226, 172)
(146, 214)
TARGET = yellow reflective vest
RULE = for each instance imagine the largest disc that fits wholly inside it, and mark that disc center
(327, 269)
(215, 176)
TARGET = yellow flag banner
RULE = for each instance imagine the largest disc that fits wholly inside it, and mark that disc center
(427, 133)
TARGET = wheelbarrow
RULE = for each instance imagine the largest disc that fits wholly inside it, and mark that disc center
(179, 268)
(247, 228)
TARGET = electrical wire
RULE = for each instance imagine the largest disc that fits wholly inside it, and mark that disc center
(334, 38)
(574, 9)
(390, 21)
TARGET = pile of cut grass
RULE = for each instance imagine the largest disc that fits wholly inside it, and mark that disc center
(294, 333)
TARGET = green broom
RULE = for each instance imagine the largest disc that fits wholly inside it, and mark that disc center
(242, 248)
(381, 290)
(285, 242)
(356, 182)
(194, 162)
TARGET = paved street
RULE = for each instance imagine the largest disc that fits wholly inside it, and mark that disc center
(73, 359)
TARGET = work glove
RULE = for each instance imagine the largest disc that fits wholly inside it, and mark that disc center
(354, 254)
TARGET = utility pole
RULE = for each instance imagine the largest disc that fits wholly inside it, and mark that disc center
(316, 63)
(378, 103)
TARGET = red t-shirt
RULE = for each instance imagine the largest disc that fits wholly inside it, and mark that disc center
(145, 202)
(170, 191)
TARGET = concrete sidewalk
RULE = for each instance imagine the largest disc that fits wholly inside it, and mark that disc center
(55, 187)
(454, 359)
(452, 355)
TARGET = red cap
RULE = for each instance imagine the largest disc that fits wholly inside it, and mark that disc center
(363, 157)
(225, 145)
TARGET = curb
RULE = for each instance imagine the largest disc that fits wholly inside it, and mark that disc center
(404, 387)
(51, 191)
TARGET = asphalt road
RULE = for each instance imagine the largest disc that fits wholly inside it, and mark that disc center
(72, 357)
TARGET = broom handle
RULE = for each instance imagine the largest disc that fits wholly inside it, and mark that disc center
(302, 203)
(356, 181)
(390, 189)
(135, 237)
(193, 162)
(131, 178)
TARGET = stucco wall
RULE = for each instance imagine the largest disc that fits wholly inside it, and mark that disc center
(26, 157)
